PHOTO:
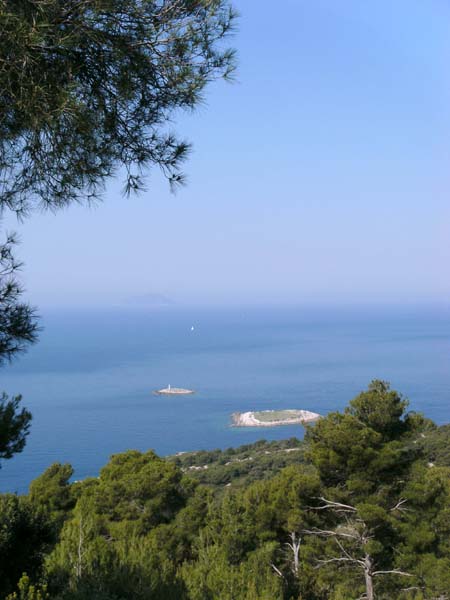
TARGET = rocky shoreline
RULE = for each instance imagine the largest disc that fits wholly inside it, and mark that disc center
(262, 418)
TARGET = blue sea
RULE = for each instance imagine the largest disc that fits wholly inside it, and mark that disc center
(89, 381)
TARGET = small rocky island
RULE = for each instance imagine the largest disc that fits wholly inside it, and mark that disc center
(173, 390)
(272, 418)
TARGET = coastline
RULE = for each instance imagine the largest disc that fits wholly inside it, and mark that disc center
(293, 417)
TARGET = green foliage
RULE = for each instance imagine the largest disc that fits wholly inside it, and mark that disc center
(27, 591)
(425, 548)
(436, 445)
(381, 409)
(368, 459)
(18, 325)
(24, 537)
(128, 530)
(238, 467)
(89, 86)
(51, 491)
(141, 489)
(341, 446)
(52, 494)
(14, 426)
(371, 442)
(212, 577)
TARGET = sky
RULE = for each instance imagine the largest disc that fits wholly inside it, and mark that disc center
(321, 176)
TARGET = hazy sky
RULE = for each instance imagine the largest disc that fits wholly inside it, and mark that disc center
(322, 175)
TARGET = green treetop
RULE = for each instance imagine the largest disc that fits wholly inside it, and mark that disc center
(88, 86)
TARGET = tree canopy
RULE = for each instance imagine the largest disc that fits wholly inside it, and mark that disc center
(89, 86)
(14, 426)
(18, 328)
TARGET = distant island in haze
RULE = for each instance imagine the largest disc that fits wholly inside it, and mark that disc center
(150, 300)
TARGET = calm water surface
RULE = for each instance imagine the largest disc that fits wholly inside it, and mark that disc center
(89, 381)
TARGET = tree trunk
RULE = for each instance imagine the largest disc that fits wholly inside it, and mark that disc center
(368, 567)
(79, 563)
(295, 547)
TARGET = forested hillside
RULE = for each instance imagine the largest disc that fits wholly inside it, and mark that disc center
(262, 460)
(360, 509)
(239, 466)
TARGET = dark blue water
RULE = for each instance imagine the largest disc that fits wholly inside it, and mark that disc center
(89, 381)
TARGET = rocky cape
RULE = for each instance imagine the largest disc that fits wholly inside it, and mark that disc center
(280, 417)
